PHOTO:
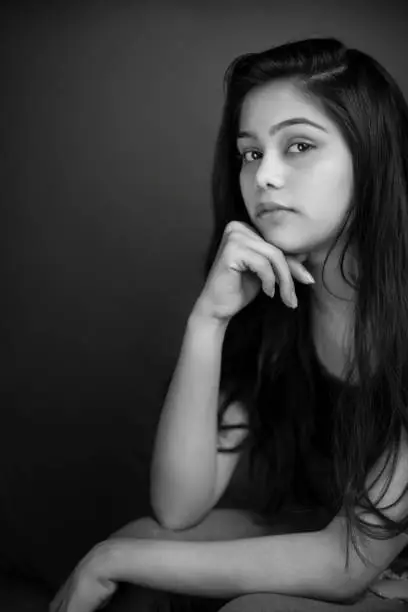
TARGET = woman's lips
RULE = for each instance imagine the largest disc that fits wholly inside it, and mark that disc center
(277, 212)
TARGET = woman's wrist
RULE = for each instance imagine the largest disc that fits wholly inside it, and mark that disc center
(106, 559)
(118, 558)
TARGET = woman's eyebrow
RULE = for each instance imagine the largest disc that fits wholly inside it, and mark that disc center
(281, 125)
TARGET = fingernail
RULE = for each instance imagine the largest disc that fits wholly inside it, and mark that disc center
(308, 277)
(293, 300)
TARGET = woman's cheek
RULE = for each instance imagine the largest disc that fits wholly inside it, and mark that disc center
(243, 182)
(247, 181)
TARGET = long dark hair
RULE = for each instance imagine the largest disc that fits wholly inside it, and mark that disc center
(267, 344)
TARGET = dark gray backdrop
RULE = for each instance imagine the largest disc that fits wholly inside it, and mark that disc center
(109, 113)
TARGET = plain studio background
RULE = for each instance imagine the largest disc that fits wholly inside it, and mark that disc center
(109, 113)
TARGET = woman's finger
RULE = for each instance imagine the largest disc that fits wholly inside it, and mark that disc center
(284, 268)
(59, 602)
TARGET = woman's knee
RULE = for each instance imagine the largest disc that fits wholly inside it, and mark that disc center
(144, 527)
(273, 602)
(219, 524)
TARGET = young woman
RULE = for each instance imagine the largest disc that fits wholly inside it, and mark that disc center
(313, 375)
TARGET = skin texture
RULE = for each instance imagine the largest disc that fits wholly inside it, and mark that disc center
(314, 178)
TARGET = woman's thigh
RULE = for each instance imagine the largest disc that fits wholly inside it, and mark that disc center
(264, 602)
(219, 524)
(130, 598)
(223, 524)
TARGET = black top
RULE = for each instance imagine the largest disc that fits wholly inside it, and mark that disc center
(314, 484)
(318, 470)
(313, 477)
(314, 480)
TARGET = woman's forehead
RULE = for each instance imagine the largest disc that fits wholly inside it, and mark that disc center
(267, 106)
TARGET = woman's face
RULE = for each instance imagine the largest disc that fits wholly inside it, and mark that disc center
(302, 167)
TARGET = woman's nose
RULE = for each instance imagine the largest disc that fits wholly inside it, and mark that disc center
(270, 173)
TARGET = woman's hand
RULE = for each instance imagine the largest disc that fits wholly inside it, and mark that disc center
(89, 586)
(244, 263)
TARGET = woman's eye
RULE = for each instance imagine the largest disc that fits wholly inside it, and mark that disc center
(243, 157)
(304, 145)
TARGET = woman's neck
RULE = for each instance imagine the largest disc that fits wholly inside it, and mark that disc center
(335, 298)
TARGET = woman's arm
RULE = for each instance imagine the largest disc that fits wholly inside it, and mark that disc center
(306, 564)
(184, 463)
(309, 564)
